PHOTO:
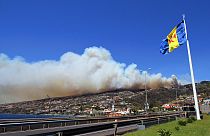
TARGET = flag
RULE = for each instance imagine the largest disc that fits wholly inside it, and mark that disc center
(174, 39)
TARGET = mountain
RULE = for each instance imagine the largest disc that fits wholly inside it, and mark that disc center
(122, 99)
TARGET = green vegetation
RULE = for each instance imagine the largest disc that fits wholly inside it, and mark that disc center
(182, 122)
(177, 128)
(196, 128)
(163, 132)
(193, 118)
(189, 120)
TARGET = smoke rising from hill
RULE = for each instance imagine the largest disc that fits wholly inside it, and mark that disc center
(73, 74)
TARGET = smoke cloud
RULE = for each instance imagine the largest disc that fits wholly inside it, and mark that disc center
(92, 72)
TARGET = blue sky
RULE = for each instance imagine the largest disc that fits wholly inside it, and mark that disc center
(131, 30)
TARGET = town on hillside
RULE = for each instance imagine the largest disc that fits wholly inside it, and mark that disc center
(119, 102)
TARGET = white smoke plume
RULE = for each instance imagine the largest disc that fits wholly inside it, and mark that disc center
(92, 72)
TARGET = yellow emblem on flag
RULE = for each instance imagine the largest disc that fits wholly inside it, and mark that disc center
(173, 40)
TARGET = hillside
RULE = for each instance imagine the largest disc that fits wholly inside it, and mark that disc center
(123, 99)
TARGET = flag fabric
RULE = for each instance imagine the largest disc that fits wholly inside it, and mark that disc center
(174, 39)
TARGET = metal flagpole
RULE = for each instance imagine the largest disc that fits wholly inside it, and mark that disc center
(192, 75)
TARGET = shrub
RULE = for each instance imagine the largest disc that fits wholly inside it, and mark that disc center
(177, 128)
(182, 122)
(189, 120)
(193, 118)
(163, 132)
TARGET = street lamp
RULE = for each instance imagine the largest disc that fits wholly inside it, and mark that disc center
(146, 105)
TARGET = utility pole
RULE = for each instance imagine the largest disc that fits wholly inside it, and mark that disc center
(146, 105)
(49, 103)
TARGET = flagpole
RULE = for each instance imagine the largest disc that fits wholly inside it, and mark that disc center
(192, 75)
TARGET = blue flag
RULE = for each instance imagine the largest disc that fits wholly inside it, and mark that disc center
(174, 39)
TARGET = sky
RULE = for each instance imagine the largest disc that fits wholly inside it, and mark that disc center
(131, 30)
